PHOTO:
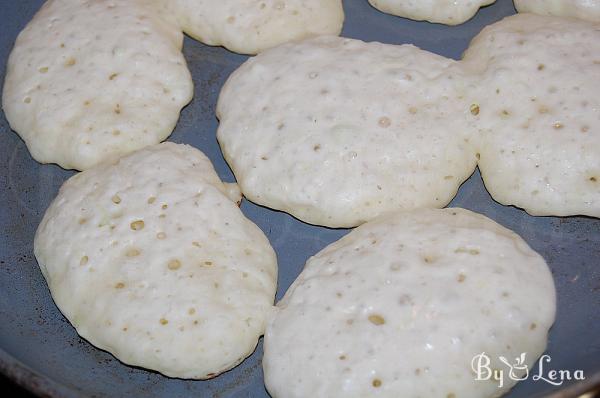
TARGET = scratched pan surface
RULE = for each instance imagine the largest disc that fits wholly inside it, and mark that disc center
(41, 350)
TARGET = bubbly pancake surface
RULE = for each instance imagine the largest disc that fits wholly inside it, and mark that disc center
(401, 305)
(90, 80)
(151, 259)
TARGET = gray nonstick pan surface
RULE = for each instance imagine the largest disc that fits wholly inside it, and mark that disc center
(41, 351)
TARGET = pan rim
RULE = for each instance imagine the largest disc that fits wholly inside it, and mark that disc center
(34, 382)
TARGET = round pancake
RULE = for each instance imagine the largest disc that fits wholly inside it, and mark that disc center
(251, 26)
(336, 131)
(150, 260)
(400, 306)
(584, 9)
(538, 124)
(440, 11)
(89, 80)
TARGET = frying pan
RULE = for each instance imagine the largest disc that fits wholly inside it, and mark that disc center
(42, 352)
